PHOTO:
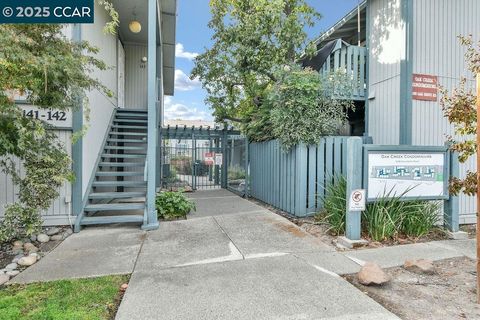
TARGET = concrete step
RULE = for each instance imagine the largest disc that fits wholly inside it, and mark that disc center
(115, 195)
(137, 184)
(119, 173)
(121, 164)
(116, 120)
(112, 219)
(124, 155)
(132, 127)
(139, 134)
(132, 111)
(125, 148)
(127, 140)
(114, 207)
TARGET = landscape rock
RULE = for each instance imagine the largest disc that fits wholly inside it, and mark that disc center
(67, 232)
(56, 237)
(11, 266)
(4, 278)
(33, 238)
(12, 273)
(27, 261)
(17, 243)
(52, 231)
(35, 255)
(42, 238)
(17, 257)
(422, 266)
(372, 274)
(30, 247)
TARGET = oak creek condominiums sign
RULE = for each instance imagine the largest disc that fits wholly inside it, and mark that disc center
(420, 174)
(46, 11)
(425, 87)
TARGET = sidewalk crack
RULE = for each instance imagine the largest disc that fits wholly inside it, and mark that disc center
(228, 236)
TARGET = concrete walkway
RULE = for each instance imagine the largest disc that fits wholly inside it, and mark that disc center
(231, 259)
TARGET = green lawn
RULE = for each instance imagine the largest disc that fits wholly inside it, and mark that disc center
(95, 298)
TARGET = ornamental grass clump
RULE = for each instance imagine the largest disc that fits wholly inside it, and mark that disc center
(334, 206)
(389, 217)
(173, 205)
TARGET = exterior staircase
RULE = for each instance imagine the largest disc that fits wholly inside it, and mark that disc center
(117, 193)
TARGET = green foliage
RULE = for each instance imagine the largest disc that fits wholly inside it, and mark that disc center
(236, 172)
(460, 110)
(251, 39)
(387, 218)
(307, 106)
(19, 221)
(390, 216)
(95, 298)
(419, 218)
(173, 205)
(172, 176)
(334, 205)
(40, 63)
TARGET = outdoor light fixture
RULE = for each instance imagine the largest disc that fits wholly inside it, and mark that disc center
(144, 59)
(135, 26)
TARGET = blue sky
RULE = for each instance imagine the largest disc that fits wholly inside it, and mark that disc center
(193, 36)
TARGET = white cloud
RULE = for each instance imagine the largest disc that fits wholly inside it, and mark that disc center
(181, 53)
(175, 111)
(184, 83)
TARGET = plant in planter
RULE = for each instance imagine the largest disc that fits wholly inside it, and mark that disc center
(173, 205)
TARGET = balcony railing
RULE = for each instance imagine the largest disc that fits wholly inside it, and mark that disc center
(352, 60)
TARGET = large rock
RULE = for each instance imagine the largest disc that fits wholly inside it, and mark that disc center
(11, 266)
(52, 231)
(12, 273)
(422, 266)
(57, 237)
(4, 278)
(27, 261)
(42, 238)
(372, 274)
(17, 243)
(30, 247)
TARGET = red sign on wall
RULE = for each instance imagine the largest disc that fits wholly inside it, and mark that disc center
(425, 87)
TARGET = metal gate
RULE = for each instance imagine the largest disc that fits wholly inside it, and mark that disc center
(191, 165)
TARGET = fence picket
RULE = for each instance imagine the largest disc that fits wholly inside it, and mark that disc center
(295, 181)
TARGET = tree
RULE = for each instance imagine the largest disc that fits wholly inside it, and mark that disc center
(39, 62)
(306, 105)
(252, 39)
(460, 110)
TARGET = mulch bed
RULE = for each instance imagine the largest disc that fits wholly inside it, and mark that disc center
(449, 293)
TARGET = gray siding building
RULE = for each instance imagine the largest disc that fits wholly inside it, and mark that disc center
(404, 38)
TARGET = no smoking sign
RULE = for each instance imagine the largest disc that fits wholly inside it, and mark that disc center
(357, 200)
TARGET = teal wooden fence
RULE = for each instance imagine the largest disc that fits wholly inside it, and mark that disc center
(295, 181)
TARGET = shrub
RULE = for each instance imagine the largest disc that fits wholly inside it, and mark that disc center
(386, 218)
(236, 173)
(420, 219)
(19, 222)
(173, 205)
(335, 206)
(308, 105)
